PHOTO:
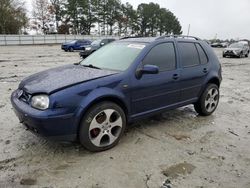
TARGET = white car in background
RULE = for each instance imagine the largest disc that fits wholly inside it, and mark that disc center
(237, 49)
(246, 44)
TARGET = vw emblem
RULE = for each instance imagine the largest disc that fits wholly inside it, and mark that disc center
(19, 93)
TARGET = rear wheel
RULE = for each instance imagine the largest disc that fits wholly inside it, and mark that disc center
(208, 101)
(102, 126)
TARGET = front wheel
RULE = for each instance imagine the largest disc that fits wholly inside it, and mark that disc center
(241, 55)
(102, 126)
(208, 101)
(71, 49)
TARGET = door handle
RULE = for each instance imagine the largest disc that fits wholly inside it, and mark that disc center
(175, 76)
(205, 70)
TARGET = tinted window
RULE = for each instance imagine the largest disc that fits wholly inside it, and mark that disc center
(81, 41)
(189, 54)
(110, 40)
(203, 56)
(162, 55)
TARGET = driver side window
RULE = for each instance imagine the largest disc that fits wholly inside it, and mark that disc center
(163, 56)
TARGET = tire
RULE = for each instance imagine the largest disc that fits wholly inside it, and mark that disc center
(241, 55)
(247, 54)
(71, 49)
(97, 131)
(223, 55)
(208, 101)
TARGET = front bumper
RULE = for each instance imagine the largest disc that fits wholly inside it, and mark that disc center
(64, 47)
(231, 54)
(52, 123)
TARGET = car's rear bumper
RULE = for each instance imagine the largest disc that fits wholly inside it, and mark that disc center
(52, 125)
(85, 53)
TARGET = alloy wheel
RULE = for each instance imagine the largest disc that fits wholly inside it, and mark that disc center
(105, 128)
(212, 99)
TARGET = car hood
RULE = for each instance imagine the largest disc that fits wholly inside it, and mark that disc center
(232, 49)
(55, 79)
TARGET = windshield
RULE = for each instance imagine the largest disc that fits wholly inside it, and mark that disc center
(236, 45)
(114, 56)
(73, 41)
(96, 42)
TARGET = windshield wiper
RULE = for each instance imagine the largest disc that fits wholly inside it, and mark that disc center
(91, 66)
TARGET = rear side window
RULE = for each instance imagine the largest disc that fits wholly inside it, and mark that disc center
(203, 56)
(189, 55)
(163, 56)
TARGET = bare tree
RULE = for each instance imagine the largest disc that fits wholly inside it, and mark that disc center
(41, 14)
(56, 8)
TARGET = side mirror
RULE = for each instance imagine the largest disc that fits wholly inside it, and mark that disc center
(102, 44)
(146, 69)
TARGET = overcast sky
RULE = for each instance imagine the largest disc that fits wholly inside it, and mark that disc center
(208, 18)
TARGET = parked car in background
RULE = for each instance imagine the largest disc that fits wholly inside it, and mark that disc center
(95, 45)
(246, 44)
(217, 45)
(122, 82)
(75, 45)
(237, 49)
(225, 44)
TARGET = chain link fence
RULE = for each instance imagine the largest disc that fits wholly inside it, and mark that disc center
(6, 40)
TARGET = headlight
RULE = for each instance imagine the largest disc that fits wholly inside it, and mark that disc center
(40, 102)
(88, 48)
(237, 51)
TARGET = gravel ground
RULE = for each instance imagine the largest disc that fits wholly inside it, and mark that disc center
(178, 147)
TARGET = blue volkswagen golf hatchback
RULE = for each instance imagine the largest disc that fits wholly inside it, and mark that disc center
(129, 79)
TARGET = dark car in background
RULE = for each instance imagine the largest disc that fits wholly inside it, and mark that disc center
(95, 45)
(217, 45)
(122, 82)
(238, 49)
(75, 45)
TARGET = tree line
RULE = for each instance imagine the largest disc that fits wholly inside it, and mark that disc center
(12, 16)
(103, 17)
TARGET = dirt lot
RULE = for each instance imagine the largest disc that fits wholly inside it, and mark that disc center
(178, 146)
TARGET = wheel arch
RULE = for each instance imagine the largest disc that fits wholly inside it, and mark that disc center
(114, 99)
(214, 80)
(109, 98)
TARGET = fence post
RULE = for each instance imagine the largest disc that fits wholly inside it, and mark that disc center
(19, 36)
(33, 39)
(5, 41)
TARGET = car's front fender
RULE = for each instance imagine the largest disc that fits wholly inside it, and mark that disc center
(101, 94)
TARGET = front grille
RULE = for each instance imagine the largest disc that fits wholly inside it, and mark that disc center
(229, 52)
(25, 97)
